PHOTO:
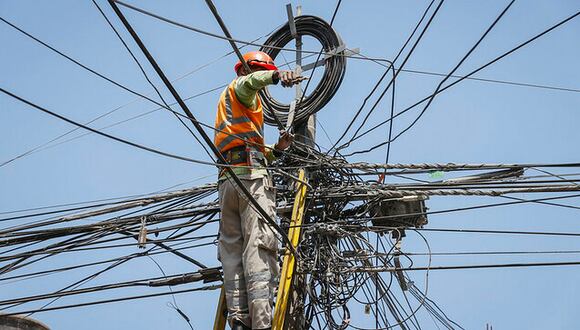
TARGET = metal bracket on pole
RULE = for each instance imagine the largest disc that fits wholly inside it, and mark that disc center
(291, 20)
(329, 54)
(298, 70)
(287, 272)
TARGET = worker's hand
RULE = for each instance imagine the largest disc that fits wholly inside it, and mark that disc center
(284, 141)
(288, 78)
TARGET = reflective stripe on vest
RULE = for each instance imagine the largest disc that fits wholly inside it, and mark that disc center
(246, 136)
(237, 124)
(229, 114)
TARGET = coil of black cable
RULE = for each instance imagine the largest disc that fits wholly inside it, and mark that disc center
(334, 69)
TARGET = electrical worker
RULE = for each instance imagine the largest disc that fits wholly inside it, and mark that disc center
(247, 246)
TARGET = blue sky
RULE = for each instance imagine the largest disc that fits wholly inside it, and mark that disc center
(473, 122)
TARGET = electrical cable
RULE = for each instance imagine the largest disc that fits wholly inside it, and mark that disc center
(265, 216)
(334, 68)
(388, 67)
(553, 27)
(407, 57)
(148, 79)
(430, 100)
(106, 301)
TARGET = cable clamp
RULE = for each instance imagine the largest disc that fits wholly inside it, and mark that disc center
(142, 240)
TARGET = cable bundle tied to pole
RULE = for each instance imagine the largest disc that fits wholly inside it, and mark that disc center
(334, 69)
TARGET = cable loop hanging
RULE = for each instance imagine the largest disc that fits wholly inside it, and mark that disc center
(334, 68)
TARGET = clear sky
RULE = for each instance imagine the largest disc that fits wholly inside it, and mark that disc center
(473, 122)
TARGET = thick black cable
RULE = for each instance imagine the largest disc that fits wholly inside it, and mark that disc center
(111, 286)
(334, 68)
(47, 145)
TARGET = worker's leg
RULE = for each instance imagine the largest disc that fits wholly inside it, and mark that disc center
(260, 252)
(230, 254)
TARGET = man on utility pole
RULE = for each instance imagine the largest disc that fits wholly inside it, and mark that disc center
(247, 246)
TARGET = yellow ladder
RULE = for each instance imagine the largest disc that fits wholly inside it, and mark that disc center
(289, 260)
(221, 312)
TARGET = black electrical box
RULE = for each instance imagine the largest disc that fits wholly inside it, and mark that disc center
(400, 213)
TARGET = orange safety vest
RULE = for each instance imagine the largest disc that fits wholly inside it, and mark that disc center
(235, 123)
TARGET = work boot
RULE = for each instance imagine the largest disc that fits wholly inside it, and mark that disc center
(240, 326)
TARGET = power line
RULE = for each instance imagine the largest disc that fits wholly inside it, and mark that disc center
(487, 80)
(209, 287)
(506, 232)
(497, 81)
(80, 64)
(392, 67)
(484, 253)
(147, 77)
(200, 130)
(510, 265)
(45, 145)
(149, 282)
(493, 24)
(523, 44)
(77, 266)
(133, 144)
(391, 81)
(112, 200)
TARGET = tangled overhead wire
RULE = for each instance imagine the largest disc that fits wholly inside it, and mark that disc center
(329, 251)
(334, 68)
(340, 266)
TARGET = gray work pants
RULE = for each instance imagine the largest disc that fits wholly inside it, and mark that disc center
(248, 251)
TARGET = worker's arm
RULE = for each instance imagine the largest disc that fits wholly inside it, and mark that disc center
(248, 86)
(274, 151)
(246, 90)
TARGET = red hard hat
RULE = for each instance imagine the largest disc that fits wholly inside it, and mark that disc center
(257, 58)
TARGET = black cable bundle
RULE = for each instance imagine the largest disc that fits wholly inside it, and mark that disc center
(334, 69)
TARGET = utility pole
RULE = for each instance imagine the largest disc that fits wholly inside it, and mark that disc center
(305, 133)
